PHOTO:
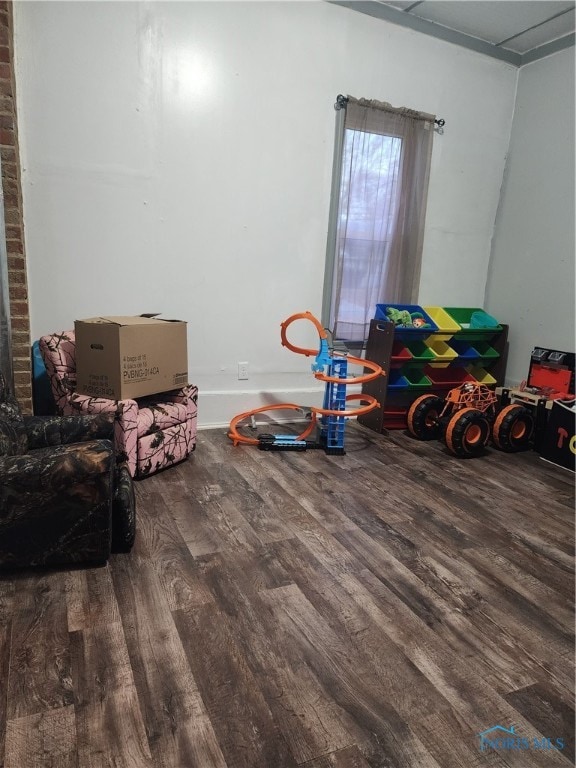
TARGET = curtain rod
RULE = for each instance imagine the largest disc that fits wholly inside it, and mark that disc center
(342, 101)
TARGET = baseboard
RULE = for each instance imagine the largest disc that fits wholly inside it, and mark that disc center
(216, 408)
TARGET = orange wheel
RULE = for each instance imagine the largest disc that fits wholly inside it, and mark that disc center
(467, 433)
(513, 429)
(423, 419)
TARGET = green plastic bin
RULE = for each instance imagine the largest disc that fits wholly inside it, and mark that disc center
(485, 351)
(421, 353)
(463, 316)
(416, 379)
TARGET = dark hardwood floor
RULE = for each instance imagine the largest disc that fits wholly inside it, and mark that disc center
(295, 609)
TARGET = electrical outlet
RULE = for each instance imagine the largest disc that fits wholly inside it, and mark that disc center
(242, 371)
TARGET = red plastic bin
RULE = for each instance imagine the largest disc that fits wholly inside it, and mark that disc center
(447, 378)
(400, 354)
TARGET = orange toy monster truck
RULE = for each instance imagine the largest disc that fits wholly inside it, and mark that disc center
(468, 418)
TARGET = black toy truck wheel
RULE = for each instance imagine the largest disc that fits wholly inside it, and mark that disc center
(423, 417)
(513, 429)
(467, 433)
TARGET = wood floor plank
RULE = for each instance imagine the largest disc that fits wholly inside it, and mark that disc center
(379, 608)
(271, 485)
(195, 527)
(90, 598)
(304, 712)
(7, 610)
(499, 658)
(468, 693)
(523, 495)
(177, 725)
(40, 674)
(214, 511)
(315, 493)
(109, 725)
(349, 757)
(224, 516)
(242, 721)
(171, 558)
(242, 495)
(374, 652)
(387, 737)
(548, 713)
(443, 601)
(520, 620)
(553, 574)
(507, 599)
(498, 567)
(44, 740)
(260, 508)
(448, 727)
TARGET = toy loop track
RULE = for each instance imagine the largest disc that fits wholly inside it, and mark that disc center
(331, 368)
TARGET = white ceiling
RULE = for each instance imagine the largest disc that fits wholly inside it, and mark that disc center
(517, 31)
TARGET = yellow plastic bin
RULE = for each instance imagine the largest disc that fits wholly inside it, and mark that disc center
(443, 353)
(482, 376)
(447, 326)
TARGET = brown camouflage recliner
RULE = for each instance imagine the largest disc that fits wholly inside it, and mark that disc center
(63, 498)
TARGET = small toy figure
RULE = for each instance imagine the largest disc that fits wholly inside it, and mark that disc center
(418, 321)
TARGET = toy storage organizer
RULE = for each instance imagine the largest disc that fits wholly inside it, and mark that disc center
(444, 353)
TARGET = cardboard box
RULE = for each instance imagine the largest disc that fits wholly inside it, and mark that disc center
(129, 357)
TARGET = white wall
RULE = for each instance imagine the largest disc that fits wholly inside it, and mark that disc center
(531, 277)
(177, 157)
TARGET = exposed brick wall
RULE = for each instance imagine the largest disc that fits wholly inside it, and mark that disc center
(17, 283)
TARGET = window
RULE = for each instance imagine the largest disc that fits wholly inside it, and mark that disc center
(382, 162)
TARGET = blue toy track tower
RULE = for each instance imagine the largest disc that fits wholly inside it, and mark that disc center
(331, 426)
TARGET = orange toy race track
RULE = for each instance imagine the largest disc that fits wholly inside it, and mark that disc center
(333, 412)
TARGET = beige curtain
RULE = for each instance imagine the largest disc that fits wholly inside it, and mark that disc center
(380, 225)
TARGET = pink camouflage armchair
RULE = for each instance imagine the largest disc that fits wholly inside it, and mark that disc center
(150, 433)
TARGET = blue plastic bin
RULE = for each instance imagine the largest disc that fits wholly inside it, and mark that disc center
(465, 350)
(416, 312)
(396, 380)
